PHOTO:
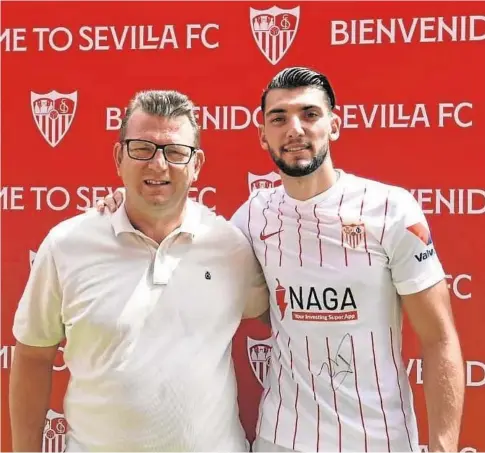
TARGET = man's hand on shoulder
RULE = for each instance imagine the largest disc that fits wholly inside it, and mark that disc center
(112, 202)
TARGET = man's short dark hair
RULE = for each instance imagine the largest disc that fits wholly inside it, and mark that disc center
(297, 77)
(168, 104)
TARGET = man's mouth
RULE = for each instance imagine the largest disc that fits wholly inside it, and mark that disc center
(155, 182)
(295, 148)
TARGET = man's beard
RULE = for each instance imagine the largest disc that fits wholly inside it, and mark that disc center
(298, 170)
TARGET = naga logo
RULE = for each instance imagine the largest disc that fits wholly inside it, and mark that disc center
(53, 114)
(274, 30)
(310, 304)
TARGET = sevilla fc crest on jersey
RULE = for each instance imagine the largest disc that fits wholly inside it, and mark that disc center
(274, 30)
(259, 354)
(267, 181)
(353, 233)
(54, 433)
(53, 114)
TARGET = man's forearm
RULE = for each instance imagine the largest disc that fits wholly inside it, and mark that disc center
(444, 388)
(30, 388)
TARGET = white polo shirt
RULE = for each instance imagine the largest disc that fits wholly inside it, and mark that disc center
(336, 265)
(148, 329)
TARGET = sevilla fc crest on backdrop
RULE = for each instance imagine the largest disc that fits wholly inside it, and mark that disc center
(274, 30)
(53, 114)
(54, 432)
(259, 354)
(267, 181)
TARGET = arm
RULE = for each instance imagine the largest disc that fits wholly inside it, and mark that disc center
(257, 294)
(29, 395)
(38, 329)
(257, 299)
(420, 281)
(430, 315)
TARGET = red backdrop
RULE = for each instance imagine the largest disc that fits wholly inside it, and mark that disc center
(409, 83)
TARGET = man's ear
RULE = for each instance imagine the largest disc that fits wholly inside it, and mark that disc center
(118, 156)
(199, 160)
(335, 123)
(262, 138)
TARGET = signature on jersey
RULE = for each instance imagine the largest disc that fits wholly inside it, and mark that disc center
(340, 366)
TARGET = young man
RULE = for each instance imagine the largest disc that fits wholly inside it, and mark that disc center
(342, 256)
(148, 299)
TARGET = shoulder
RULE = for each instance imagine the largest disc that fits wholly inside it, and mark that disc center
(218, 228)
(394, 200)
(80, 227)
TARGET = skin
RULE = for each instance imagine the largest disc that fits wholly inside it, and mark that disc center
(157, 210)
(298, 118)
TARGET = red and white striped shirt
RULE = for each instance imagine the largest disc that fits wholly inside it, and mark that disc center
(335, 266)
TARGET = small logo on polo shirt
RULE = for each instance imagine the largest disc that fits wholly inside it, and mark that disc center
(208, 275)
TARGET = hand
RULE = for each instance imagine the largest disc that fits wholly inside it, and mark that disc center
(112, 202)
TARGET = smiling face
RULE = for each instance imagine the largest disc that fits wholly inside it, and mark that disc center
(298, 126)
(155, 183)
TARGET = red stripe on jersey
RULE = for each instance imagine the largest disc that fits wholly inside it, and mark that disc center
(358, 394)
(291, 360)
(385, 218)
(334, 398)
(265, 396)
(299, 234)
(365, 231)
(281, 399)
(400, 392)
(281, 225)
(318, 232)
(342, 229)
(266, 224)
(296, 399)
(296, 412)
(314, 394)
(379, 391)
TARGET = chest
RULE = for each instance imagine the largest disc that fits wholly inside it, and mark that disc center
(131, 292)
(320, 244)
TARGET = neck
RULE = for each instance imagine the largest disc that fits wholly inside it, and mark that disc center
(305, 187)
(156, 224)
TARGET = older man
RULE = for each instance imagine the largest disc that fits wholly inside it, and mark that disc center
(148, 299)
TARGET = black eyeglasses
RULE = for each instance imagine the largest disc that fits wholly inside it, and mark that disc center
(146, 150)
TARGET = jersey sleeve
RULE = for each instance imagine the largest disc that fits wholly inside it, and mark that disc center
(257, 294)
(413, 260)
(38, 319)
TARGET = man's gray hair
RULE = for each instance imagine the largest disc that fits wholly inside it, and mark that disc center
(168, 104)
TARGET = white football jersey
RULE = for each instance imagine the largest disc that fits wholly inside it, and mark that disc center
(335, 266)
